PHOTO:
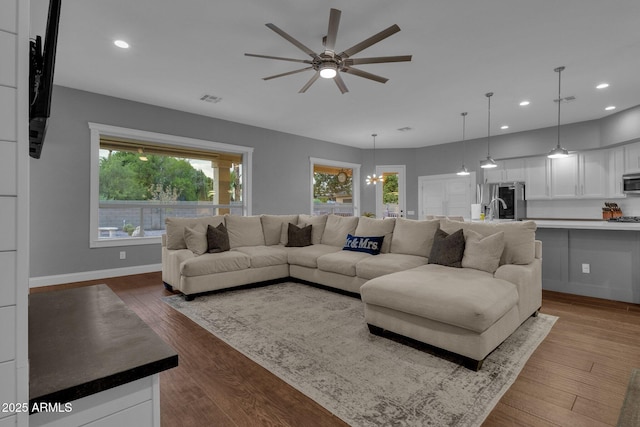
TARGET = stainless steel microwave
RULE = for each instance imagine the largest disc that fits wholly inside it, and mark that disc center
(631, 183)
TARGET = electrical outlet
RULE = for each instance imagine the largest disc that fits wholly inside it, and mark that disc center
(123, 255)
(586, 268)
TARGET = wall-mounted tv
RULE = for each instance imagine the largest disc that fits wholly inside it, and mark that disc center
(41, 66)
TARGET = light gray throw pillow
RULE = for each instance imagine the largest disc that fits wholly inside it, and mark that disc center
(482, 253)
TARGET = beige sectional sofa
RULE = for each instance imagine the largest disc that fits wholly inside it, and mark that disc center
(468, 310)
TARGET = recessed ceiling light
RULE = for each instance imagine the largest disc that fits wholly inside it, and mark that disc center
(602, 86)
(503, 127)
(610, 107)
(121, 44)
(524, 103)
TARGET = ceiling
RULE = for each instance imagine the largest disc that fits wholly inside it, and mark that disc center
(461, 49)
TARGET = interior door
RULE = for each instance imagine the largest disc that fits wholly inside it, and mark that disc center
(390, 196)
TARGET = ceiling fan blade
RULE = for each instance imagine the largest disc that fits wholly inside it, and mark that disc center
(364, 74)
(377, 60)
(304, 61)
(370, 41)
(292, 40)
(311, 81)
(340, 83)
(332, 31)
(287, 73)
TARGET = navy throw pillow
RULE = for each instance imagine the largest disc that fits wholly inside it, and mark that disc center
(370, 245)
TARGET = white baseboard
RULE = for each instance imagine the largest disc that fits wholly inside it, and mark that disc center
(36, 282)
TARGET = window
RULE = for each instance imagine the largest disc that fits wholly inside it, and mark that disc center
(334, 187)
(139, 178)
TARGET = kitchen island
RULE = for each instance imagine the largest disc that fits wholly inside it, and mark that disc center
(591, 257)
(93, 360)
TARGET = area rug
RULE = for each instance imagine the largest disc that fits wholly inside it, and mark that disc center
(630, 413)
(317, 341)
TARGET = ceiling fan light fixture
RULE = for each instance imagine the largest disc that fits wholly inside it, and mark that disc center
(328, 70)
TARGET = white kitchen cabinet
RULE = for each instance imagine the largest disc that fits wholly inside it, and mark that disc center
(511, 170)
(615, 171)
(564, 177)
(632, 157)
(592, 182)
(494, 175)
(536, 177)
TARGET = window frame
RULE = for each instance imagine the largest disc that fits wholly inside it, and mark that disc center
(98, 129)
(355, 180)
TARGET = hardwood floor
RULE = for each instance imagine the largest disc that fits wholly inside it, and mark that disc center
(577, 377)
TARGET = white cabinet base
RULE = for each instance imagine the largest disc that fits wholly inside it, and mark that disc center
(133, 404)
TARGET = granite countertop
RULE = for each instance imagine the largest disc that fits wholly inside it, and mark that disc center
(86, 340)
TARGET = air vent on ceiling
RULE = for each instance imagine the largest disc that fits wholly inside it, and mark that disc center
(210, 98)
(565, 99)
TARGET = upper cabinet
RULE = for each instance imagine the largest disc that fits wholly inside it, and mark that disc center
(564, 177)
(615, 170)
(592, 181)
(632, 157)
(511, 170)
(536, 177)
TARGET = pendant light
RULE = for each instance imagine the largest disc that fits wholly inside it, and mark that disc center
(463, 170)
(558, 152)
(374, 179)
(488, 162)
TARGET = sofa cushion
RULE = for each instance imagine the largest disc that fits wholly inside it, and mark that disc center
(519, 237)
(377, 227)
(274, 234)
(175, 228)
(447, 249)
(482, 253)
(413, 237)
(343, 262)
(244, 231)
(319, 222)
(215, 263)
(196, 239)
(217, 239)
(368, 244)
(308, 256)
(298, 237)
(264, 256)
(337, 228)
(463, 297)
(383, 264)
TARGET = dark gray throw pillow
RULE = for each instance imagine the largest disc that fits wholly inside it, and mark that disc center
(217, 239)
(298, 237)
(447, 249)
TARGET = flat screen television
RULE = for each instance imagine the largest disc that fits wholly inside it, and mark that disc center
(41, 66)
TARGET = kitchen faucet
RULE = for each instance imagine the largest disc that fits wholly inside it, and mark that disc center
(492, 203)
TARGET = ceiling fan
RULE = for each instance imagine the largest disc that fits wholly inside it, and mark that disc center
(329, 64)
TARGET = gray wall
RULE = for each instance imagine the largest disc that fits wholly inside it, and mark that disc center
(60, 179)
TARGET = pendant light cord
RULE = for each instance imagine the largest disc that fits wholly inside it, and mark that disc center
(489, 95)
(464, 143)
(559, 71)
(374, 150)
